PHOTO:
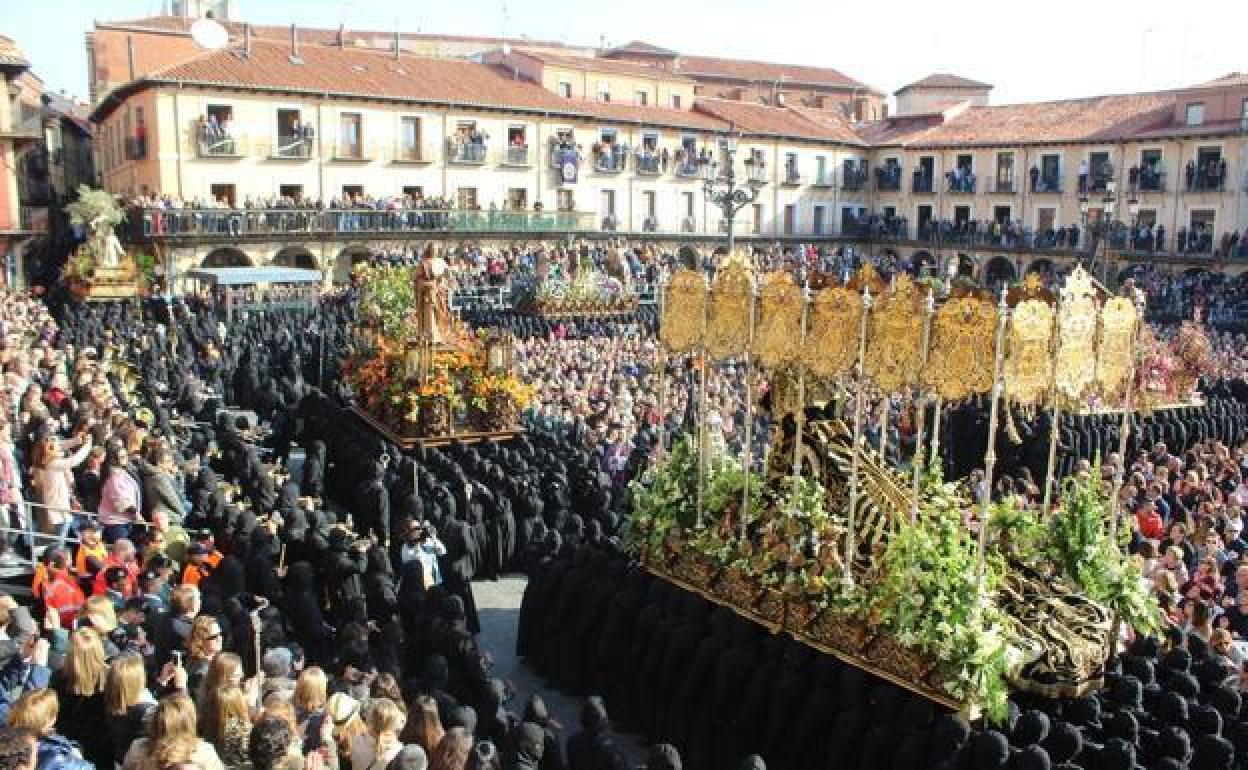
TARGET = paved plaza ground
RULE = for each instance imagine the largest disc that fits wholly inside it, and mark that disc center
(498, 604)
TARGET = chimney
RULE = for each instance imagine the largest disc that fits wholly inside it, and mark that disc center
(342, 35)
(246, 40)
(294, 43)
(396, 45)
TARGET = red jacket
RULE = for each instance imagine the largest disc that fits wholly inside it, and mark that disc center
(61, 593)
(1151, 525)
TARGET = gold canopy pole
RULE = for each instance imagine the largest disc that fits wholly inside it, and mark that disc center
(857, 446)
(940, 402)
(1054, 418)
(799, 415)
(660, 355)
(702, 435)
(747, 461)
(990, 456)
(929, 307)
(1124, 431)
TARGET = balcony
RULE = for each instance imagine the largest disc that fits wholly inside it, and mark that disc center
(1146, 180)
(1098, 183)
(1206, 181)
(688, 169)
(30, 219)
(823, 179)
(136, 148)
(217, 146)
(350, 152)
(1046, 185)
(517, 155)
(854, 178)
(888, 179)
(649, 164)
(960, 184)
(292, 147)
(650, 225)
(610, 160)
(409, 153)
(146, 224)
(1003, 187)
(922, 183)
(564, 155)
(792, 176)
(470, 153)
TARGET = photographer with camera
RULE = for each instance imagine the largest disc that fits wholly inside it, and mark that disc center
(421, 543)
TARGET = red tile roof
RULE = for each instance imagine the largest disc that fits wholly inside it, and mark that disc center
(757, 71)
(596, 64)
(759, 119)
(944, 80)
(641, 47)
(1100, 118)
(11, 56)
(1172, 129)
(321, 35)
(1229, 80)
(355, 73)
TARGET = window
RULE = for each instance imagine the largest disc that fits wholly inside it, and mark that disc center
(821, 169)
(413, 191)
(225, 193)
(1005, 172)
(966, 163)
(790, 219)
(604, 91)
(758, 218)
(466, 198)
(216, 130)
(608, 136)
(352, 191)
(790, 167)
(676, 103)
(294, 137)
(564, 200)
(687, 199)
(1195, 113)
(1001, 214)
(1046, 220)
(409, 136)
(517, 145)
(650, 202)
(349, 135)
(642, 98)
(517, 199)
(608, 203)
(817, 226)
(1050, 178)
(565, 89)
(293, 192)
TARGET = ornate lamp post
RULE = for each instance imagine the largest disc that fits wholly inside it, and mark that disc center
(721, 185)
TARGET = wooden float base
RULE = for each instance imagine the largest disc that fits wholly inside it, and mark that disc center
(412, 442)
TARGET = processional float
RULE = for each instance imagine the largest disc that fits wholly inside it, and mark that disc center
(826, 351)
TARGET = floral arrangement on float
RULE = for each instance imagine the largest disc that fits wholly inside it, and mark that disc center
(415, 389)
(1170, 369)
(921, 611)
(590, 292)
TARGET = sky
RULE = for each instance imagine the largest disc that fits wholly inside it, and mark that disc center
(1050, 50)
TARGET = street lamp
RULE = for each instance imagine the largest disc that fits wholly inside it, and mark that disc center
(721, 185)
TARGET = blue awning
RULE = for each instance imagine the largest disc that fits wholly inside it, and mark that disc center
(241, 276)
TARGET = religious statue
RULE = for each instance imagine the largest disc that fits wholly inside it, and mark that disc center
(432, 305)
(105, 245)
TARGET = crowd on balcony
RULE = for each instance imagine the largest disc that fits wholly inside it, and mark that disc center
(960, 180)
(609, 155)
(1148, 177)
(1209, 175)
(1095, 178)
(468, 144)
(216, 134)
(888, 176)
